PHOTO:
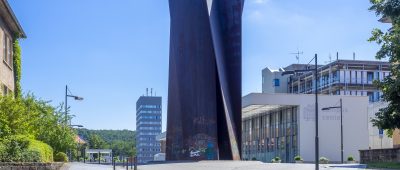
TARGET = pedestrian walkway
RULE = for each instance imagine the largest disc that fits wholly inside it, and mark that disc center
(240, 165)
(216, 165)
(83, 166)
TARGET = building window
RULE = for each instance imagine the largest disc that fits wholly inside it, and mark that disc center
(7, 47)
(276, 82)
(370, 77)
(5, 90)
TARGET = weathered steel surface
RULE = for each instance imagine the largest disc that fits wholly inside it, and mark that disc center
(204, 100)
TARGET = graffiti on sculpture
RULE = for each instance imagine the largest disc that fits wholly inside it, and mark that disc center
(201, 146)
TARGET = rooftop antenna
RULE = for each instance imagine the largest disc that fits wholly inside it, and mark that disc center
(337, 55)
(151, 92)
(354, 56)
(298, 53)
(330, 59)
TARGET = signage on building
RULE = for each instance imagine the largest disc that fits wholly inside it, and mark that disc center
(380, 133)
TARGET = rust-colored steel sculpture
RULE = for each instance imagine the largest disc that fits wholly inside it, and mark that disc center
(204, 93)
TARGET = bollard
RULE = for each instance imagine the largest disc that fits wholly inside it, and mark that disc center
(123, 162)
(99, 157)
(135, 162)
(127, 163)
(113, 162)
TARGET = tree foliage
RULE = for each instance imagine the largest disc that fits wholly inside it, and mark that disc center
(29, 116)
(122, 142)
(389, 40)
(17, 68)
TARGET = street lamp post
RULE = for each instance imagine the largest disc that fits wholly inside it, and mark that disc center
(341, 125)
(66, 110)
(316, 115)
(66, 102)
(316, 105)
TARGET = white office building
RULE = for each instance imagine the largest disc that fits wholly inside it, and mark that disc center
(283, 125)
(340, 77)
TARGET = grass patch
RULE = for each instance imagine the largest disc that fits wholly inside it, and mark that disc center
(388, 165)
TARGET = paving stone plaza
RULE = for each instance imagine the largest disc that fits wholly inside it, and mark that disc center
(218, 165)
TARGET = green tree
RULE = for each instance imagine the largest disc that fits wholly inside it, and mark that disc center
(30, 116)
(389, 117)
(122, 142)
(95, 142)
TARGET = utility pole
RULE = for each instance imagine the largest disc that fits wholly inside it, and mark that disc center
(316, 115)
(66, 105)
(341, 129)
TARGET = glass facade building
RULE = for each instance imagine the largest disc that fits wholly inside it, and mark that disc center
(340, 77)
(148, 126)
(271, 134)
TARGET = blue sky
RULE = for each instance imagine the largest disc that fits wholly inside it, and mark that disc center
(110, 51)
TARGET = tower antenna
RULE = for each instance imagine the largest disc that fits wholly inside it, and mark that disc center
(298, 53)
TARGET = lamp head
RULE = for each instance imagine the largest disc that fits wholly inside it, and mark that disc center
(78, 98)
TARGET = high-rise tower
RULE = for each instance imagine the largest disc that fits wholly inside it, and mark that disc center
(148, 126)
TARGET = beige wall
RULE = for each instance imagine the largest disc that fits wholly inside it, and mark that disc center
(375, 141)
(6, 71)
(396, 138)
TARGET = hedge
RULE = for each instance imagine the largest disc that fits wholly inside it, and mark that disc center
(45, 151)
(21, 148)
(61, 157)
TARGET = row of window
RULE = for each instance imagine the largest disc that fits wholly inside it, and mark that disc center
(147, 139)
(149, 149)
(342, 76)
(149, 123)
(149, 144)
(149, 117)
(150, 128)
(149, 133)
(273, 132)
(149, 111)
(148, 106)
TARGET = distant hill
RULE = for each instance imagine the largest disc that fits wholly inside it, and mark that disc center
(122, 142)
(109, 135)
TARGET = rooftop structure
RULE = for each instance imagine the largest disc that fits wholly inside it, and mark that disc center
(340, 77)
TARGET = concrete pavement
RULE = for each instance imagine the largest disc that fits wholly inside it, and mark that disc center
(82, 166)
(238, 165)
(215, 165)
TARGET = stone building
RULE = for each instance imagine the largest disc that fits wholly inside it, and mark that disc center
(10, 30)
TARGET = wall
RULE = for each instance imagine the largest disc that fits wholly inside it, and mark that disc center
(375, 142)
(6, 73)
(268, 77)
(396, 138)
(355, 122)
(355, 127)
(30, 166)
(380, 155)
